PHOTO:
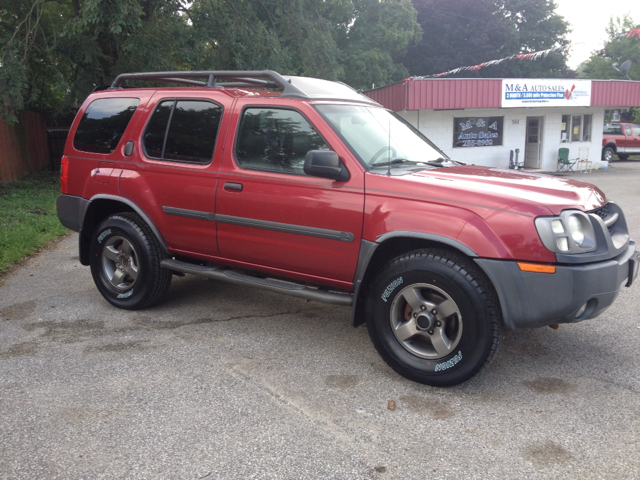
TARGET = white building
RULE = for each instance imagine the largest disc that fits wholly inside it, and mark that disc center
(480, 121)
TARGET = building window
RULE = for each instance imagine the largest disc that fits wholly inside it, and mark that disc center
(576, 128)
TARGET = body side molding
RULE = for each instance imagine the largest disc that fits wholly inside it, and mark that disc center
(287, 227)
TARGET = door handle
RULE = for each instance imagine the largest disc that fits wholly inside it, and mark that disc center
(233, 186)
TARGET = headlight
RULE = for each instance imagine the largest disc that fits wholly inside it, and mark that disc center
(576, 230)
(570, 232)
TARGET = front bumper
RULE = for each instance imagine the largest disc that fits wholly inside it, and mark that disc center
(537, 299)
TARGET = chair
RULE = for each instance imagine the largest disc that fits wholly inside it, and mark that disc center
(583, 160)
(564, 164)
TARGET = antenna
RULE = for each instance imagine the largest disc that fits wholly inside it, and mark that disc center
(389, 150)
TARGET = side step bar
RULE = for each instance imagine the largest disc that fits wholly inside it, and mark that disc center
(264, 283)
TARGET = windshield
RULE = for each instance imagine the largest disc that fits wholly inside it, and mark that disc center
(379, 137)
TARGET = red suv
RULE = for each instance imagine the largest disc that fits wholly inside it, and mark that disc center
(308, 188)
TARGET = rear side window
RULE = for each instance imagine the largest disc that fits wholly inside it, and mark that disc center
(103, 123)
(613, 129)
(183, 131)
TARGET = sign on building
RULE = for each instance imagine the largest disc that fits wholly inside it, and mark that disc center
(550, 92)
(477, 131)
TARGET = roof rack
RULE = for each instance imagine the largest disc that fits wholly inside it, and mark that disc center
(292, 86)
(247, 79)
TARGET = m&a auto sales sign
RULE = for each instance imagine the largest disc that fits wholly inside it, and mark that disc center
(550, 92)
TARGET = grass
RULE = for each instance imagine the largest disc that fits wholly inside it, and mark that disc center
(28, 219)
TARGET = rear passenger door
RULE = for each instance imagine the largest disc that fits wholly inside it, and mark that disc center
(271, 214)
(174, 179)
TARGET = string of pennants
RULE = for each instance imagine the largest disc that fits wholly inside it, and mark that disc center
(522, 56)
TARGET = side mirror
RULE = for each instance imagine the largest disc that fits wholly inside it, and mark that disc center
(325, 164)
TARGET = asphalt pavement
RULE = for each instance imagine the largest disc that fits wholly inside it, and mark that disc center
(227, 382)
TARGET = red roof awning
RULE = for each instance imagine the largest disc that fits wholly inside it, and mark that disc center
(458, 93)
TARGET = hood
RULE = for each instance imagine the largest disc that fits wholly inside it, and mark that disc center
(554, 192)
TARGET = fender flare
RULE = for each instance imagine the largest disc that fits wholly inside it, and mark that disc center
(368, 248)
(136, 209)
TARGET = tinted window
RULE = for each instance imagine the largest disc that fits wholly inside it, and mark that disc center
(613, 129)
(192, 132)
(157, 129)
(103, 123)
(276, 140)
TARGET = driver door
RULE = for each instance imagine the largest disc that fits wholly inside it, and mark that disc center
(270, 214)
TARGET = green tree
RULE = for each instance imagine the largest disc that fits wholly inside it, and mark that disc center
(54, 52)
(470, 32)
(374, 46)
(617, 50)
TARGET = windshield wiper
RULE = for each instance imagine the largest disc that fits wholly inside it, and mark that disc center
(438, 162)
(395, 161)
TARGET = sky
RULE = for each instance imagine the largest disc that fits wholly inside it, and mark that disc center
(589, 20)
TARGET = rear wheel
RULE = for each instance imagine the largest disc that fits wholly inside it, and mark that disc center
(623, 156)
(607, 154)
(125, 262)
(433, 317)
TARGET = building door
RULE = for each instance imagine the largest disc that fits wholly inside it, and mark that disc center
(534, 141)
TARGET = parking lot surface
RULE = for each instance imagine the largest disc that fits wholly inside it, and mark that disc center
(221, 381)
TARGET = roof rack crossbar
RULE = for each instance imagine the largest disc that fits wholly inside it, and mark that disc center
(258, 78)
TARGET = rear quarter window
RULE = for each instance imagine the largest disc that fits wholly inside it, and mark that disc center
(103, 123)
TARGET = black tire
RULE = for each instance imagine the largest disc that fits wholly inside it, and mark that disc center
(467, 315)
(125, 262)
(623, 156)
(608, 153)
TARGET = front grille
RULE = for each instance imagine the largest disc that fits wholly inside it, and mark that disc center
(603, 213)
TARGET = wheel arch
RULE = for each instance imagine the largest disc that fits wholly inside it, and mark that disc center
(374, 255)
(102, 206)
(611, 145)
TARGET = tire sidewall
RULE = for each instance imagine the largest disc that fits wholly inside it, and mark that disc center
(474, 345)
(119, 227)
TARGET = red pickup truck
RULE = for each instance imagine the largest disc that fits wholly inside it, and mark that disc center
(306, 187)
(622, 139)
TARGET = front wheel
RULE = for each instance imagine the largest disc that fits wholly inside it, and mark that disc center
(433, 317)
(125, 262)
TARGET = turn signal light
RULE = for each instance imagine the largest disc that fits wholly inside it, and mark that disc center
(64, 175)
(536, 267)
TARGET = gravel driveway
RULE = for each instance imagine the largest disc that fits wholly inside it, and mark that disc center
(221, 381)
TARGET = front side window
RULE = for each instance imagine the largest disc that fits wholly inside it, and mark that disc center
(636, 130)
(103, 123)
(183, 131)
(276, 140)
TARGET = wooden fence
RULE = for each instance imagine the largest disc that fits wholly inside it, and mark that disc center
(23, 147)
